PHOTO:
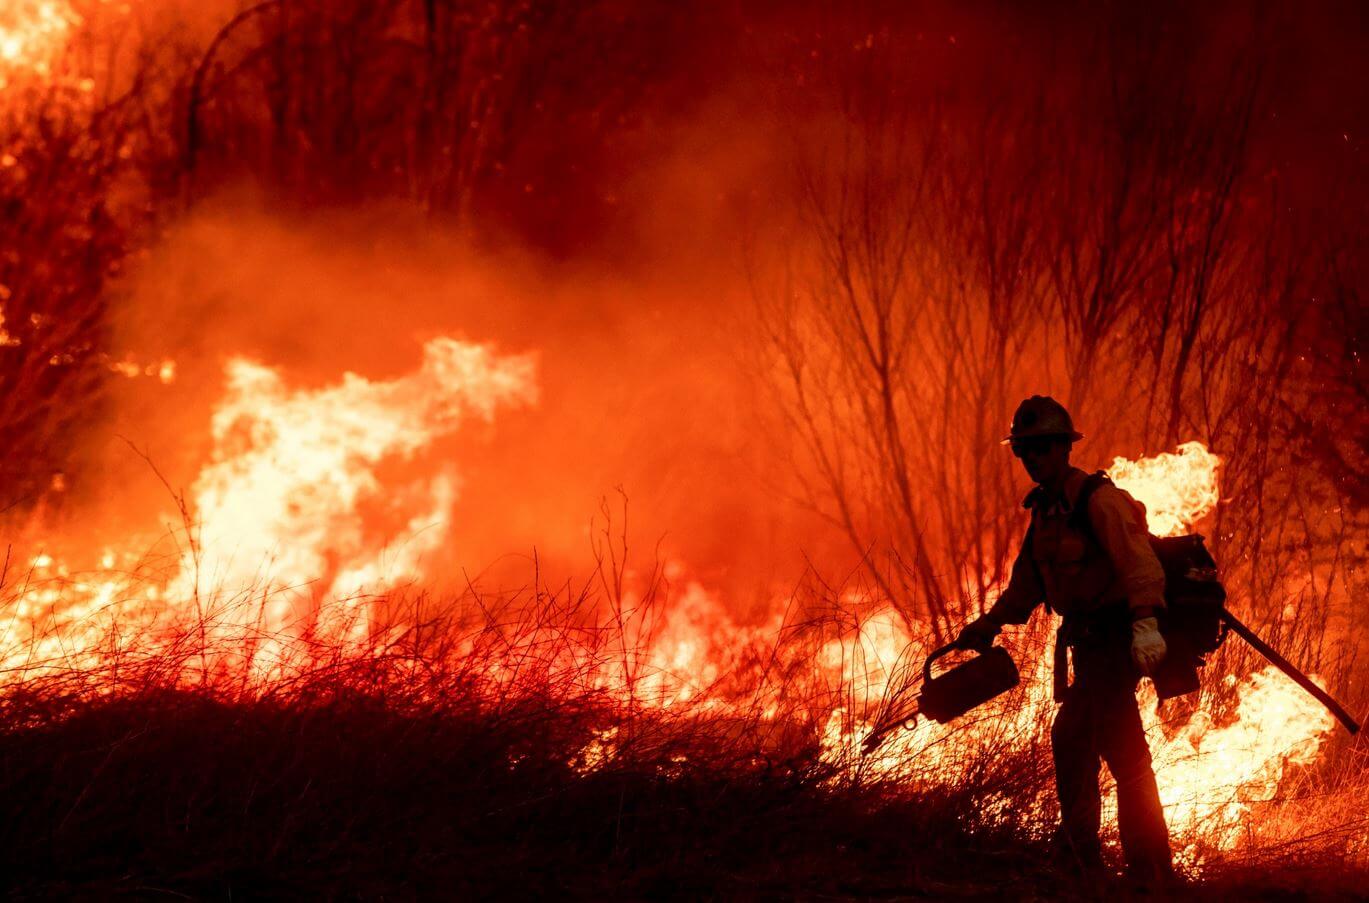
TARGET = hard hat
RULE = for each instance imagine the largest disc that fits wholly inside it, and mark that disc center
(1041, 415)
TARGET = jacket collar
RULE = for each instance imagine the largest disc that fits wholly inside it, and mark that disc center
(1064, 503)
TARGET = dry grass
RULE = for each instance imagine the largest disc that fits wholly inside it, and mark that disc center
(491, 754)
(489, 766)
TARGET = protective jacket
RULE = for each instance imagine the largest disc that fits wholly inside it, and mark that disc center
(1078, 573)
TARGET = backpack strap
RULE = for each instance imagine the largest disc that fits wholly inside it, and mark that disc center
(1036, 569)
(1079, 515)
(1079, 520)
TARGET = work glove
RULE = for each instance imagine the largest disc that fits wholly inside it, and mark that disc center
(1147, 646)
(978, 634)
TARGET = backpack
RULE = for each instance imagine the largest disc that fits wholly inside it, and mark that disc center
(1192, 622)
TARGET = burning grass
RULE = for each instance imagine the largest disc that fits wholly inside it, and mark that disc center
(542, 743)
(258, 709)
(480, 760)
(270, 701)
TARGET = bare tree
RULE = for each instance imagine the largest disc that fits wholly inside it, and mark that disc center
(1107, 242)
(911, 301)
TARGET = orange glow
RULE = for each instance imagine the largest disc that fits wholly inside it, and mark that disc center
(1177, 489)
(32, 34)
(277, 554)
(163, 371)
(275, 547)
(277, 505)
(341, 337)
(1211, 777)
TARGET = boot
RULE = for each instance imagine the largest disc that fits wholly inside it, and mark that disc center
(1078, 859)
(1153, 878)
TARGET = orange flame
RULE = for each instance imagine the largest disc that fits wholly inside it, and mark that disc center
(1177, 489)
(279, 500)
(32, 34)
(275, 547)
(1210, 777)
(276, 551)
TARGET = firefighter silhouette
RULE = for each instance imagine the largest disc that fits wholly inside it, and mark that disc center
(1107, 584)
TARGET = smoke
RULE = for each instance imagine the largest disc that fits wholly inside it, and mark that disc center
(640, 393)
(612, 239)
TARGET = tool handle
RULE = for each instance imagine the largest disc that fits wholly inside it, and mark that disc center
(927, 665)
(1288, 668)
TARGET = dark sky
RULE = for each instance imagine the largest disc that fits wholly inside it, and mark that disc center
(647, 79)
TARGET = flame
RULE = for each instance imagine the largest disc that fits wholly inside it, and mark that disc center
(1177, 489)
(279, 546)
(32, 34)
(7, 339)
(279, 500)
(274, 544)
(276, 551)
(1211, 777)
(163, 371)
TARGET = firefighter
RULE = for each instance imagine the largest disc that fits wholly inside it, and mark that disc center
(1108, 586)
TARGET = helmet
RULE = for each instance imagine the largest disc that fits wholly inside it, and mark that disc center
(1041, 415)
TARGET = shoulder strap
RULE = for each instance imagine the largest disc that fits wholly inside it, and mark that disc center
(1079, 516)
(1027, 542)
(1079, 520)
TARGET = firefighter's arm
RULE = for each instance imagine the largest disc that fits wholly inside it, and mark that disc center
(1014, 606)
(1119, 521)
(1023, 594)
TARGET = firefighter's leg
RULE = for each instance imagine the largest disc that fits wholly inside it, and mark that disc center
(1140, 818)
(1077, 765)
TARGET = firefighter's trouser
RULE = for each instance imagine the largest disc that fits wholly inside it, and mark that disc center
(1099, 721)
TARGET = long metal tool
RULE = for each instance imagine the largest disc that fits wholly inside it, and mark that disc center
(1287, 667)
